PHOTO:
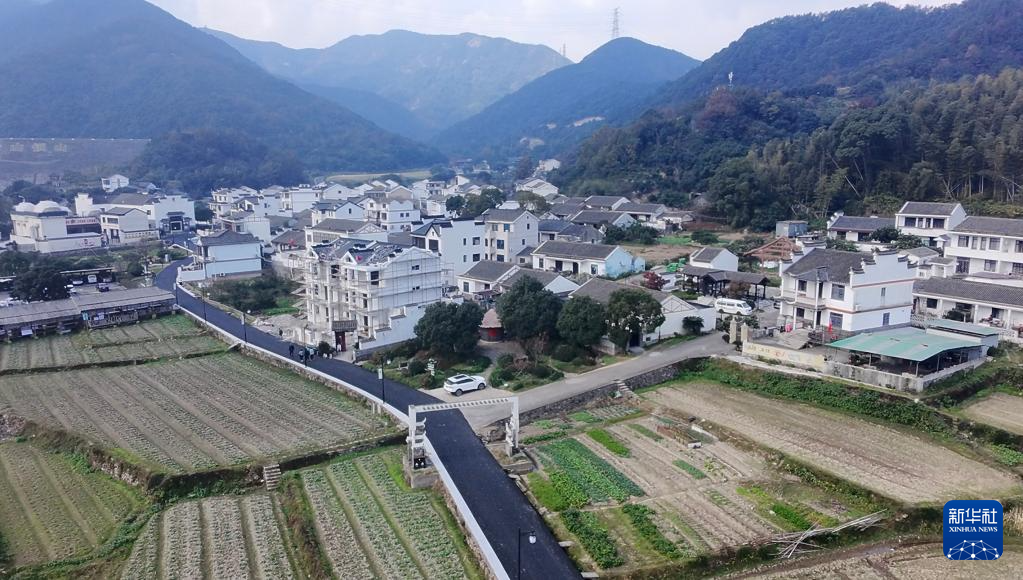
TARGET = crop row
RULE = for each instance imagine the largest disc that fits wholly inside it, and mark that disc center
(57, 352)
(641, 518)
(145, 556)
(182, 542)
(224, 538)
(594, 537)
(588, 473)
(609, 441)
(265, 537)
(336, 534)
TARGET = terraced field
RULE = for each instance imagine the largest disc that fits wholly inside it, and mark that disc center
(194, 414)
(370, 526)
(52, 506)
(1000, 410)
(222, 537)
(893, 463)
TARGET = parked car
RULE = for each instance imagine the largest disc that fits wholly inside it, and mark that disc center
(731, 306)
(459, 384)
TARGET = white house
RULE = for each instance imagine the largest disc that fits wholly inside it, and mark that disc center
(714, 259)
(347, 210)
(244, 222)
(484, 276)
(987, 244)
(381, 289)
(298, 199)
(459, 243)
(126, 225)
(645, 213)
(569, 232)
(538, 186)
(856, 229)
(605, 202)
(225, 199)
(600, 219)
(979, 301)
(552, 282)
(47, 227)
(930, 221)
(394, 215)
(581, 258)
(289, 257)
(845, 291)
(508, 232)
(674, 309)
(225, 253)
(167, 212)
(114, 182)
(329, 230)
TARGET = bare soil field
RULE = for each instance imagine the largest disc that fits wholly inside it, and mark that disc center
(890, 462)
(194, 414)
(660, 253)
(891, 562)
(999, 410)
(54, 507)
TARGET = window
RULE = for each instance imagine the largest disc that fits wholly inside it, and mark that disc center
(374, 275)
(938, 223)
(416, 267)
(529, 226)
(883, 291)
(465, 241)
(932, 303)
(910, 222)
(500, 257)
(500, 244)
(465, 286)
(593, 269)
(1017, 270)
(990, 265)
(539, 262)
(1019, 246)
(493, 228)
(886, 319)
(475, 257)
(994, 244)
(507, 227)
(523, 242)
(835, 320)
(974, 243)
(475, 241)
(840, 235)
(801, 285)
(962, 265)
(465, 259)
(837, 292)
(800, 313)
(964, 241)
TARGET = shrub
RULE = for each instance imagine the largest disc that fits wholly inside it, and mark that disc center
(416, 367)
(583, 361)
(501, 375)
(505, 360)
(541, 371)
(565, 352)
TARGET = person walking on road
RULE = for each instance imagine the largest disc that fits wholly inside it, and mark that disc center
(291, 350)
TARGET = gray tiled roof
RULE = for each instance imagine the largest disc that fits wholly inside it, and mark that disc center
(928, 208)
(601, 290)
(705, 254)
(503, 215)
(828, 265)
(339, 225)
(603, 200)
(575, 250)
(488, 271)
(227, 238)
(991, 225)
(542, 276)
(293, 238)
(121, 210)
(852, 223)
(634, 207)
(596, 217)
(970, 291)
(554, 226)
(921, 252)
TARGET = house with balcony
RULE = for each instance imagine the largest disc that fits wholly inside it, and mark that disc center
(394, 215)
(126, 225)
(593, 259)
(245, 222)
(601, 219)
(224, 253)
(845, 292)
(379, 289)
(297, 199)
(994, 303)
(328, 230)
(987, 244)
(458, 242)
(857, 229)
(508, 232)
(932, 222)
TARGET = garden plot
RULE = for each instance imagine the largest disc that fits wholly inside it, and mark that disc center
(163, 338)
(890, 462)
(371, 526)
(999, 410)
(195, 414)
(53, 506)
(221, 537)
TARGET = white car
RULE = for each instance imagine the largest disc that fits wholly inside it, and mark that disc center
(459, 384)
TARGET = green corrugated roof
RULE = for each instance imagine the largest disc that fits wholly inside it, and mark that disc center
(963, 327)
(906, 343)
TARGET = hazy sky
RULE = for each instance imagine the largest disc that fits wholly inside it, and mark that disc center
(696, 27)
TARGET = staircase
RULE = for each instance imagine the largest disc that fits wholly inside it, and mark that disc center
(796, 340)
(272, 476)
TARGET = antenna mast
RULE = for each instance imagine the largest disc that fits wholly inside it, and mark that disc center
(616, 29)
(564, 51)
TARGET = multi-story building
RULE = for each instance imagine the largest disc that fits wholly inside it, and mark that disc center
(987, 244)
(459, 243)
(394, 215)
(509, 231)
(930, 221)
(224, 253)
(226, 199)
(328, 230)
(346, 210)
(126, 225)
(714, 259)
(856, 229)
(114, 182)
(380, 289)
(167, 212)
(244, 222)
(47, 227)
(845, 291)
(298, 199)
(996, 303)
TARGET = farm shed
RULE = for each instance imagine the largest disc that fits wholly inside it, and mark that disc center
(93, 310)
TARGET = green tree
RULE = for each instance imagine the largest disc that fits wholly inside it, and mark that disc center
(14, 263)
(704, 237)
(533, 202)
(636, 233)
(583, 321)
(885, 235)
(454, 203)
(450, 330)
(43, 282)
(475, 205)
(528, 311)
(843, 245)
(631, 312)
(692, 324)
(203, 213)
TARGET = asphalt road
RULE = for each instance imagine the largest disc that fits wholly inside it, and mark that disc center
(501, 510)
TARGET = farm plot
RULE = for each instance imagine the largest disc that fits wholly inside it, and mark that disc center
(221, 537)
(999, 410)
(892, 463)
(371, 526)
(187, 415)
(129, 343)
(52, 506)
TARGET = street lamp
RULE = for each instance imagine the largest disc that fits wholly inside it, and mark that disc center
(531, 534)
(383, 393)
(245, 328)
(202, 295)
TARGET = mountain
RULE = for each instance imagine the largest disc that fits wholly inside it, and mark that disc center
(566, 105)
(864, 48)
(442, 79)
(126, 69)
(830, 111)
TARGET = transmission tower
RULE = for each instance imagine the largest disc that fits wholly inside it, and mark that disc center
(616, 29)
(564, 51)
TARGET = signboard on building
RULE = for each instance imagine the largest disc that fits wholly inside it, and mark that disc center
(344, 326)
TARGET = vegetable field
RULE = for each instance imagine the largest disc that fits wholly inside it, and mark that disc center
(167, 337)
(186, 415)
(895, 464)
(52, 506)
(1000, 410)
(222, 537)
(371, 526)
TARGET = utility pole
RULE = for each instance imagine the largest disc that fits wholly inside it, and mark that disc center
(564, 51)
(616, 29)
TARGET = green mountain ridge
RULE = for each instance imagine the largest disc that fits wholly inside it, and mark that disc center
(126, 69)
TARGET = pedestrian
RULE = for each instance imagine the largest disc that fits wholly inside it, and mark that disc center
(291, 350)
(280, 333)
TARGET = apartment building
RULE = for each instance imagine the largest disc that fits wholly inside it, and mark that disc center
(394, 215)
(380, 289)
(987, 244)
(508, 232)
(930, 221)
(845, 291)
(298, 199)
(458, 242)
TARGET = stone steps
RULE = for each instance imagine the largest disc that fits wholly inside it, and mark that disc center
(272, 476)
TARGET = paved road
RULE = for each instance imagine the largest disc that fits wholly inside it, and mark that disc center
(497, 504)
(554, 392)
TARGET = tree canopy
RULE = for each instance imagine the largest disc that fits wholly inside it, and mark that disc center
(631, 312)
(528, 311)
(582, 322)
(450, 330)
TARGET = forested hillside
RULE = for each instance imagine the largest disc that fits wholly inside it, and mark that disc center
(771, 153)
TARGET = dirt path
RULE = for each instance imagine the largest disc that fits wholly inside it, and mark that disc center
(1000, 410)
